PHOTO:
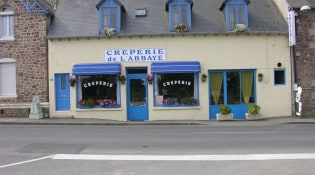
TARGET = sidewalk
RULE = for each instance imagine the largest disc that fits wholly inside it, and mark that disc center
(76, 121)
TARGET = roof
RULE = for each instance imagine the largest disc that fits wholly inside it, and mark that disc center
(79, 18)
(46, 6)
(300, 3)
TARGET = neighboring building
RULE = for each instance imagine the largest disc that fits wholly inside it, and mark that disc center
(304, 52)
(23, 55)
(163, 48)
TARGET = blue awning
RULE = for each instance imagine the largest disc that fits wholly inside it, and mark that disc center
(175, 67)
(95, 69)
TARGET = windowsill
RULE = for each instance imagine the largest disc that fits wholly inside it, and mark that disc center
(176, 107)
(98, 109)
(7, 39)
(8, 97)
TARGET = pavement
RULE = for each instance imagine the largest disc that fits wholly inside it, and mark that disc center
(100, 122)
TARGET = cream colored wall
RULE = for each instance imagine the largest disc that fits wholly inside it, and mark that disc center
(259, 52)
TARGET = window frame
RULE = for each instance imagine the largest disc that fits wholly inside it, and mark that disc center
(79, 93)
(13, 78)
(225, 85)
(283, 78)
(236, 13)
(196, 90)
(8, 17)
(181, 6)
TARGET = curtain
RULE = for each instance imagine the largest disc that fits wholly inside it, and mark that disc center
(247, 85)
(216, 85)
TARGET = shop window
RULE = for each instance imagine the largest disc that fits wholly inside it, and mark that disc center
(232, 87)
(98, 91)
(279, 77)
(7, 77)
(110, 12)
(179, 15)
(176, 89)
(6, 23)
(236, 12)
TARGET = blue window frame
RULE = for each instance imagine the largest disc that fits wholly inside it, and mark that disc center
(232, 87)
(236, 12)
(179, 13)
(279, 76)
(110, 12)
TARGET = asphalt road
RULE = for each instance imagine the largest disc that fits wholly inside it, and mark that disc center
(278, 149)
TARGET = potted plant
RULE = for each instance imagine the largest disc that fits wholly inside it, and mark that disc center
(260, 76)
(253, 112)
(149, 78)
(122, 79)
(240, 28)
(203, 77)
(190, 101)
(225, 113)
(180, 28)
(72, 81)
(110, 32)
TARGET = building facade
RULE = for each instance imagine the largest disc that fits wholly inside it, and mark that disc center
(304, 52)
(147, 60)
(23, 55)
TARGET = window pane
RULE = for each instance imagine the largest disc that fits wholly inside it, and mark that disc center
(216, 87)
(113, 17)
(105, 18)
(175, 88)
(63, 82)
(183, 14)
(98, 91)
(138, 93)
(233, 88)
(175, 15)
(5, 25)
(232, 16)
(11, 26)
(240, 14)
(279, 77)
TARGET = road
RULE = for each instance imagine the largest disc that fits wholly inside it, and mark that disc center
(193, 149)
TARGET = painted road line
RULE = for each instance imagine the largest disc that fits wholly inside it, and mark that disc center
(24, 162)
(186, 157)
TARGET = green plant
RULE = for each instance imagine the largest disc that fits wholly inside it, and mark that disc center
(260, 75)
(188, 101)
(180, 28)
(240, 28)
(110, 32)
(224, 109)
(203, 76)
(122, 78)
(253, 109)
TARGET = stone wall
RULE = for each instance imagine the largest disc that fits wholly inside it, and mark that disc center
(305, 59)
(29, 49)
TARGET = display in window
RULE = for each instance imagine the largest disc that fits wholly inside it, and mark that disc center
(98, 91)
(176, 89)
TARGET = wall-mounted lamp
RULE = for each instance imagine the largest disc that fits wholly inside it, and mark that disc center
(305, 8)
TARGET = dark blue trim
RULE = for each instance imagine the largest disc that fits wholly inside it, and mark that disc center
(96, 69)
(29, 7)
(175, 67)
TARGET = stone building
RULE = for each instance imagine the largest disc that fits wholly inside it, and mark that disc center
(23, 55)
(304, 52)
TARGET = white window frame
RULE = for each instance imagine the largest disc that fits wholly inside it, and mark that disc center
(11, 75)
(8, 17)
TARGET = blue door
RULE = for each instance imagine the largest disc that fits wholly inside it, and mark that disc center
(137, 101)
(62, 92)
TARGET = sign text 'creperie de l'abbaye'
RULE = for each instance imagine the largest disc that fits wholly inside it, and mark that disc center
(134, 55)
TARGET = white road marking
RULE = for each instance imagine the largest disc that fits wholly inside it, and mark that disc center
(186, 157)
(27, 161)
(245, 157)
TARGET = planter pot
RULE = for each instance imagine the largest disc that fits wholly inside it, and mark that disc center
(252, 116)
(260, 78)
(224, 117)
(203, 79)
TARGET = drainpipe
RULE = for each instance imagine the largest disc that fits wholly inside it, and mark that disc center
(292, 43)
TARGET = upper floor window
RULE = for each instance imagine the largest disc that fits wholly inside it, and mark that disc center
(6, 23)
(110, 12)
(236, 12)
(179, 15)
